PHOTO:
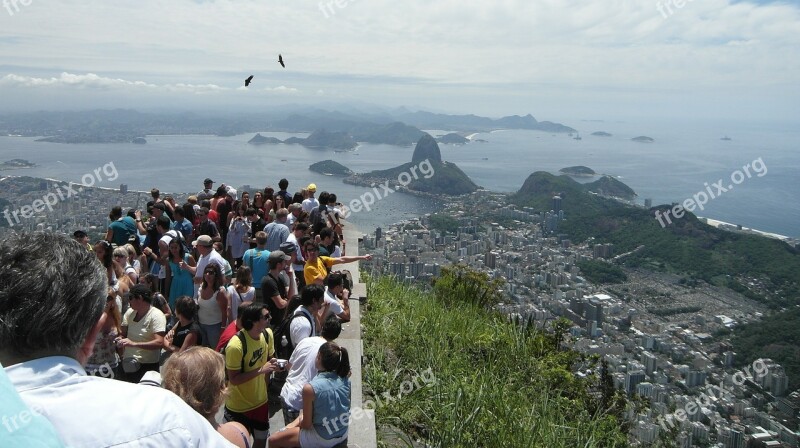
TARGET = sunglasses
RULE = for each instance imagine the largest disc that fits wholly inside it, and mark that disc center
(265, 316)
(210, 272)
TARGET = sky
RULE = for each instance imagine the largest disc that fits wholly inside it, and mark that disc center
(556, 59)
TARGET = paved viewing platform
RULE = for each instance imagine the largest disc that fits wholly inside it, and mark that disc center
(362, 432)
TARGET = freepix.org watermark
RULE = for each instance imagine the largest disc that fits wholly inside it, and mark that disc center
(12, 6)
(326, 6)
(701, 198)
(706, 399)
(665, 7)
(62, 193)
(407, 387)
(367, 200)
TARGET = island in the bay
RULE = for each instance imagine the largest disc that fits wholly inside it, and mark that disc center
(330, 168)
(259, 139)
(601, 134)
(16, 164)
(579, 171)
(453, 138)
(643, 139)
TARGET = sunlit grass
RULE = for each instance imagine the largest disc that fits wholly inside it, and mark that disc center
(494, 386)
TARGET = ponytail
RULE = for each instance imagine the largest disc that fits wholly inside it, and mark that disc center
(344, 363)
(335, 359)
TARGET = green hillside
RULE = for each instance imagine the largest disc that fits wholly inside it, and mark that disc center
(447, 372)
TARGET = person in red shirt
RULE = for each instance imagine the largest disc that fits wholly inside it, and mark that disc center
(232, 328)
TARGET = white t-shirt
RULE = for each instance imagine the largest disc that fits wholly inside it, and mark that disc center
(310, 204)
(301, 328)
(293, 239)
(304, 369)
(334, 307)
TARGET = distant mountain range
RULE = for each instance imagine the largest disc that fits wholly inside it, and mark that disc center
(400, 127)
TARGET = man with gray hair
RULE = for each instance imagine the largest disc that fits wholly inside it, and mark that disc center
(52, 293)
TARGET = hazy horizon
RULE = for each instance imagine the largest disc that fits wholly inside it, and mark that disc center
(623, 59)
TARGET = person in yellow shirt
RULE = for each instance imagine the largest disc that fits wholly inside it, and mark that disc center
(248, 363)
(317, 267)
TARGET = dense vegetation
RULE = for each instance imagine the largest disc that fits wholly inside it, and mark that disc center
(495, 383)
(775, 336)
(602, 272)
(443, 223)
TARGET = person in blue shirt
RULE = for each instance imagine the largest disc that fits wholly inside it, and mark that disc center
(20, 425)
(326, 404)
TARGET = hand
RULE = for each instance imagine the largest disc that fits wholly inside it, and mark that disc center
(168, 339)
(124, 342)
(138, 215)
(368, 257)
(183, 265)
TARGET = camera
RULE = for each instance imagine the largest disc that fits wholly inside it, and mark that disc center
(282, 364)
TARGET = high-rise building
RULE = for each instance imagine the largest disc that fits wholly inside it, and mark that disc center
(123, 188)
(648, 203)
(695, 378)
(556, 204)
(650, 362)
(633, 379)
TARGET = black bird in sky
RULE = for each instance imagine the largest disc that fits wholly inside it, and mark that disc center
(280, 59)
(248, 80)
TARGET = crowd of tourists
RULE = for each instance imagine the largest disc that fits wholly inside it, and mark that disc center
(228, 301)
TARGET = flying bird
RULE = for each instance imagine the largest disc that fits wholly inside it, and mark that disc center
(280, 59)
(248, 80)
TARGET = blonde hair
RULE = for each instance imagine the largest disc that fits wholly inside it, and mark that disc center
(197, 375)
(131, 250)
(121, 251)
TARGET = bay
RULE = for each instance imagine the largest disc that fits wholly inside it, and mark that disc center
(682, 161)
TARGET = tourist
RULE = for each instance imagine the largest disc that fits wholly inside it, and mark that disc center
(197, 376)
(121, 227)
(241, 291)
(257, 260)
(275, 290)
(310, 203)
(186, 332)
(208, 256)
(212, 301)
(248, 371)
(143, 330)
(277, 230)
(316, 267)
(303, 367)
(104, 360)
(179, 282)
(238, 241)
(326, 404)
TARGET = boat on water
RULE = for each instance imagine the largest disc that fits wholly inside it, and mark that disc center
(485, 158)
(578, 137)
(726, 138)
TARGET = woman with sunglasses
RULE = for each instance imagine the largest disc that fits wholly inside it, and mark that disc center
(212, 301)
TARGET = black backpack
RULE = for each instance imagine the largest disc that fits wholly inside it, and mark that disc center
(240, 334)
(284, 329)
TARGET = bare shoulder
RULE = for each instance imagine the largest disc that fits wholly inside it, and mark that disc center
(233, 432)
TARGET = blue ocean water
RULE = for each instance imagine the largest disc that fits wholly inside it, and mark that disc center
(678, 164)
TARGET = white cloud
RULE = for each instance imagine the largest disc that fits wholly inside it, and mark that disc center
(545, 47)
